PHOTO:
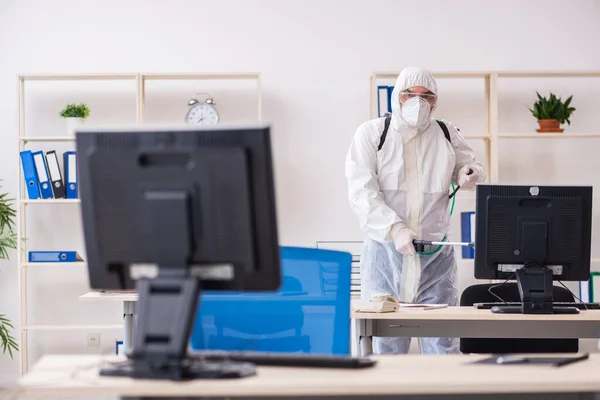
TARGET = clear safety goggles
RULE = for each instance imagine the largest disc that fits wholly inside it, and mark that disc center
(428, 97)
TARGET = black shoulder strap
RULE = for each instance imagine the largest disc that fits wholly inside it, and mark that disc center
(387, 126)
(385, 131)
(445, 129)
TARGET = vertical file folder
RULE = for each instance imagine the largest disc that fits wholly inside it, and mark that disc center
(30, 175)
(467, 222)
(70, 162)
(382, 100)
(42, 173)
(58, 186)
(589, 291)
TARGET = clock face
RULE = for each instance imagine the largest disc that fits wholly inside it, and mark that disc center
(202, 114)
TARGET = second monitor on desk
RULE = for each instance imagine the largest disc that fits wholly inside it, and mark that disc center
(537, 234)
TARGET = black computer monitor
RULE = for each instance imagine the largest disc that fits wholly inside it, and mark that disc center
(171, 211)
(534, 233)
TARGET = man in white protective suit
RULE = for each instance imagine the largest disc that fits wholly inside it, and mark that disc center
(400, 170)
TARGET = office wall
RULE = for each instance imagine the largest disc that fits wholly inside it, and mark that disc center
(315, 57)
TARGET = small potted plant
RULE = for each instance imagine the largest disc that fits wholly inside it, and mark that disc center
(74, 115)
(552, 112)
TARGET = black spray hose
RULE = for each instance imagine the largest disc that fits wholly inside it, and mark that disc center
(458, 186)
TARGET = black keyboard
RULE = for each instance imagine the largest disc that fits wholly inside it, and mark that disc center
(287, 359)
(581, 306)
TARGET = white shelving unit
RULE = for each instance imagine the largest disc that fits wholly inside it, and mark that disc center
(23, 203)
(490, 80)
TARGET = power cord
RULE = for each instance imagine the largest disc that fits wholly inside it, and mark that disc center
(529, 264)
(497, 286)
(573, 294)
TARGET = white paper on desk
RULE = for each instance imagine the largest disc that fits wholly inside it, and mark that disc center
(410, 306)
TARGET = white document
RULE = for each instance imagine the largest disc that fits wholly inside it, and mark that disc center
(409, 306)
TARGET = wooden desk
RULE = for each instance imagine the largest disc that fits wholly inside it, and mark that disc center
(430, 377)
(468, 322)
(446, 322)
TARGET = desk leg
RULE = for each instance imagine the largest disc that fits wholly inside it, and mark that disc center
(366, 345)
(363, 329)
(128, 324)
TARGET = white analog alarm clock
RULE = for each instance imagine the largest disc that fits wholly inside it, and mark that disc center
(202, 113)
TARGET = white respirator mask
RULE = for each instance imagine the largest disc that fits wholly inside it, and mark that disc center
(416, 112)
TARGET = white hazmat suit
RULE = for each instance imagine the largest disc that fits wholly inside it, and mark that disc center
(400, 193)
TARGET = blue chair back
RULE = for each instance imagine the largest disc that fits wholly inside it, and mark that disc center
(310, 313)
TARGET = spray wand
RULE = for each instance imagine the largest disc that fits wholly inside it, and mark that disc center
(420, 244)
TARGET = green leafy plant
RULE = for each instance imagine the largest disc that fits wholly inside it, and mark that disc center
(552, 108)
(8, 237)
(8, 240)
(7, 341)
(80, 110)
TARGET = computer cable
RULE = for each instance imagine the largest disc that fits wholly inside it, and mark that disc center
(500, 284)
(573, 294)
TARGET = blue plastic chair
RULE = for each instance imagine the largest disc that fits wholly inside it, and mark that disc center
(309, 314)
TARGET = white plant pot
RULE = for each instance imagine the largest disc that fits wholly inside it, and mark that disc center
(72, 124)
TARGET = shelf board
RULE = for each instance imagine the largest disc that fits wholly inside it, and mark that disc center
(205, 76)
(549, 74)
(54, 264)
(42, 327)
(77, 77)
(48, 139)
(51, 201)
(502, 74)
(551, 136)
(441, 74)
(481, 137)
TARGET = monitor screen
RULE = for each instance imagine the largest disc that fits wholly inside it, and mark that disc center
(201, 198)
(518, 226)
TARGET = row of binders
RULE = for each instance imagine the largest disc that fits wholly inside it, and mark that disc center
(43, 177)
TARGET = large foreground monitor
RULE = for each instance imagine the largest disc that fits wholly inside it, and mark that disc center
(534, 233)
(169, 212)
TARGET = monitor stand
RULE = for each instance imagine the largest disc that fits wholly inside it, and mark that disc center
(537, 293)
(534, 279)
(167, 304)
(166, 311)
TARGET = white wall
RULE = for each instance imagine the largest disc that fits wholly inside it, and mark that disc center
(315, 57)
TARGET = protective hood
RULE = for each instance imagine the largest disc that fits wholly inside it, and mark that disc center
(409, 77)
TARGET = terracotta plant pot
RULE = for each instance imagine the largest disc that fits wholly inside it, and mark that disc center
(549, 125)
